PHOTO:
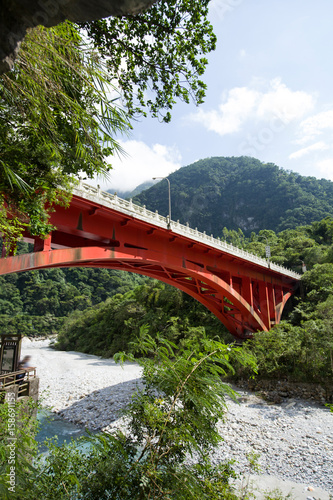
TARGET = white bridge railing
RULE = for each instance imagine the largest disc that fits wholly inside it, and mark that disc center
(129, 208)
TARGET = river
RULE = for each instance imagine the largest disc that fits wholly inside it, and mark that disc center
(293, 439)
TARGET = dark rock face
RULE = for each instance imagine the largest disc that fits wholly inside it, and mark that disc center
(16, 16)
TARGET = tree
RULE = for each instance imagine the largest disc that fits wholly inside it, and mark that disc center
(318, 283)
(156, 56)
(56, 116)
(56, 120)
(171, 419)
(325, 311)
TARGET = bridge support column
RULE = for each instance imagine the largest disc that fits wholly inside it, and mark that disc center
(272, 305)
(281, 297)
(42, 245)
(247, 290)
(264, 304)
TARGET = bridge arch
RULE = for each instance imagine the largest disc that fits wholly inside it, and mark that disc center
(240, 315)
(245, 292)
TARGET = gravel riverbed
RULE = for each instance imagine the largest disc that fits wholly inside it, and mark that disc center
(293, 439)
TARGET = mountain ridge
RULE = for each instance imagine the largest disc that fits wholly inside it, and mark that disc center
(240, 192)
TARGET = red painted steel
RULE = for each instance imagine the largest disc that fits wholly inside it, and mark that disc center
(245, 296)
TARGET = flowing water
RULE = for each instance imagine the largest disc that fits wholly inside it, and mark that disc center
(52, 426)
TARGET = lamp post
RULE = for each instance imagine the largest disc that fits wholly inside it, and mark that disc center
(267, 251)
(268, 254)
(155, 178)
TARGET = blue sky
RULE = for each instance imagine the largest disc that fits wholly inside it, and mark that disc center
(270, 95)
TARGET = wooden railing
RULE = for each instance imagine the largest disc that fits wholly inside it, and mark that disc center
(9, 379)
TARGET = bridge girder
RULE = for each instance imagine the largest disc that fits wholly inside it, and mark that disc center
(244, 305)
(245, 293)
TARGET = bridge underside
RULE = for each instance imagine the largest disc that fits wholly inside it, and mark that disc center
(244, 303)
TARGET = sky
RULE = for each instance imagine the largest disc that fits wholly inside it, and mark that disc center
(269, 95)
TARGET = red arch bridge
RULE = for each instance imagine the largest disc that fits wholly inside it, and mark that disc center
(98, 229)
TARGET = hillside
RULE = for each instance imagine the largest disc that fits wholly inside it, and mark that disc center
(240, 193)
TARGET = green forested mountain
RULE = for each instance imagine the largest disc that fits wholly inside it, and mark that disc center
(240, 193)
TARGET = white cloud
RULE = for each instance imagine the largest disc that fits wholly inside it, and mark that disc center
(284, 103)
(326, 168)
(315, 125)
(230, 116)
(220, 8)
(242, 104)
(318, 146)
(141, 164)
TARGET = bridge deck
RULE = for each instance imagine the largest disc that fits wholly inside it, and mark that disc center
(125, 207)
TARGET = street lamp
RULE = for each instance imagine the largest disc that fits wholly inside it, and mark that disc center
(154, 178)
(267, 251)
(268, 254)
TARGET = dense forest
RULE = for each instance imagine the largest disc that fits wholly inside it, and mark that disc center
(240, 193)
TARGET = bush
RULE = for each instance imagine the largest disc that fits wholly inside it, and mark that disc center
(173, 418)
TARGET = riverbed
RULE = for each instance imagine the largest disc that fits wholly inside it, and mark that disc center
(293, 440)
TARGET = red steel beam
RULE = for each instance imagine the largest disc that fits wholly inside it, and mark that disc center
(244, 295)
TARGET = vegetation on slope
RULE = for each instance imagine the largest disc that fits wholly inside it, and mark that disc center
(240, 193)
(112, 326)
